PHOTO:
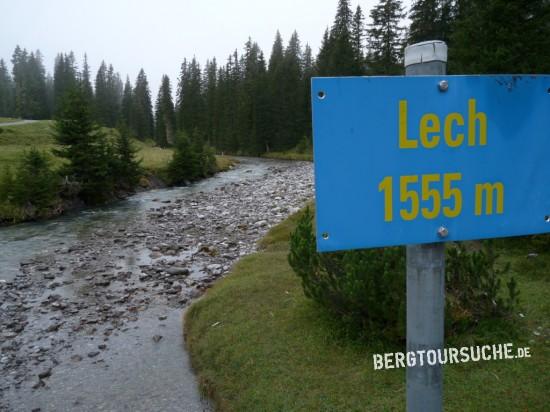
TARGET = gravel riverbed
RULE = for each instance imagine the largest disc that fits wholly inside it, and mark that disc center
(95, 323)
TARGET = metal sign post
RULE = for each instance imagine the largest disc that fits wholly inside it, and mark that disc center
(425, 273)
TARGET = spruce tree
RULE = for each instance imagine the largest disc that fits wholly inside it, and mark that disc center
(85, 146)
(292, 87)
(114, 96)
(7, 185)
(430, 20)
(86, 83)
(323, 63)
(190, 103)
(127, 105)
(64, 77)
(29, 77)
(143, 124)
(35, 185)
(385, 38)
(165, 118)
(276, 112)
(108, 95)
(490, 37)
(127, 167)
(307, 73)
(358, 36)
(339, 53)
(101, 102)
(183, 166)
(7, 92)
(210, 96)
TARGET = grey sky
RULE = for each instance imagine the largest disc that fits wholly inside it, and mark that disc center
(157, 35)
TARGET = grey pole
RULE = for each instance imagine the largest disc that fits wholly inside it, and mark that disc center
(425, 273)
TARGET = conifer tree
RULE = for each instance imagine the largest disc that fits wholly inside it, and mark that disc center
(277, 99)
(358, 36)
(292, 86)
(7, 92)
(489, 37)
(86, 83)
(323, 64)
(101, 102)
(64, 77)
(165, 118)
(307, 73)
(386, 38)
(183, 166)
(108, 95)
(35, 182)
(190, 104)
(127, 167)
(210, 95)
(84, 145)
(429, 20)
(143, 124)
(29, 77)
(127, 105)
(339, 49)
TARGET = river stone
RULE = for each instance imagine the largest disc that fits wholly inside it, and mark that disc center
(177, 270)
(45, 374)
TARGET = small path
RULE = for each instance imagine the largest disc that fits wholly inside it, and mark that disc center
(18, 123)
(97, 324)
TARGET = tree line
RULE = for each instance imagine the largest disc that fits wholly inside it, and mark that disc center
(252, 104)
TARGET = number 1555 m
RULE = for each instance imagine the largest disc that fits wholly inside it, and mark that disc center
(423, 194)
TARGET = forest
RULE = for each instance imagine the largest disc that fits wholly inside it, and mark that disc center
(251, 103)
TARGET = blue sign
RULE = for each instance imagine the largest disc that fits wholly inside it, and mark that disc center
(405, 160)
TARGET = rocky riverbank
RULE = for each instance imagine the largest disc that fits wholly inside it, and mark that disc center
(74, 322)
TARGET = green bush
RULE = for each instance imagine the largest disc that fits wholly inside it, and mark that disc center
(32, 192)
(474, 287)
(127, 168)
(365, 289)
(192, 159)
(305, 145)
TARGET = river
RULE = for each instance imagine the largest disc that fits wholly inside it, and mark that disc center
(91, 303)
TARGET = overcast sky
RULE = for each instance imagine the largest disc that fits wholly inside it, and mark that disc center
(157, 35)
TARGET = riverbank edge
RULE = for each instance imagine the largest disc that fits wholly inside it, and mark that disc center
(289, 155)
(255, 342)
(149, 181)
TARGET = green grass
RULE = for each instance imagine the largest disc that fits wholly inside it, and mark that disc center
(289, 155)
(8, 119)
(257, 344)
(155, 159)
(14, 140)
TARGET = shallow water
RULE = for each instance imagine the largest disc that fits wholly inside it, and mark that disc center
(21, 242)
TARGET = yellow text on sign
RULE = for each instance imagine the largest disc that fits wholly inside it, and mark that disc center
(429, 201)
(432, 130)
(432, 195)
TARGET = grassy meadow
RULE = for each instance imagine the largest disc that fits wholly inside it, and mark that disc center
(8, 119)
(257, 344)
(14, 140)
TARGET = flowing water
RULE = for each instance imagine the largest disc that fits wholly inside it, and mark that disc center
(21, 242)
(91, 303)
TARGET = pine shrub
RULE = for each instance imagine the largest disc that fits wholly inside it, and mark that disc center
(30, 193)
(126, 166)
(192, 160)
(366, 289)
